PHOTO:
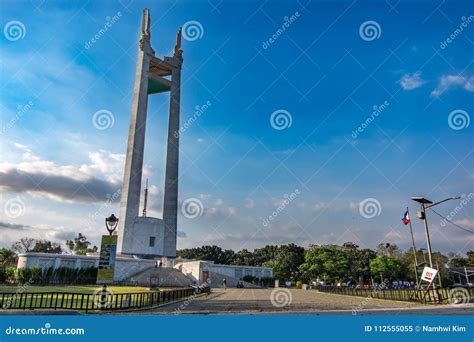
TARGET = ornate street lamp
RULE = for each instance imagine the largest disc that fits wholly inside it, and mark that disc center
(111, 223)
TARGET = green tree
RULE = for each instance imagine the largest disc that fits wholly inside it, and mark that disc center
(470, 257)
(359, 264)
(244, 257)
(8, 258)
(387, 268)
(80, 245)
(44, 246)
(24, 245)
(286, 262)
(388, 249)
(211, 253)
(187, 253)
(329, 263)
(265, 254)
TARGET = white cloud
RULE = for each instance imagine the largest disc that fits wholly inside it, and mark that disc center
(465, 222)
(469, 85)
(249, 203)
(90, 182)
(319, 206)
(447, 82)
(210, 212)
(411, 81)
(21, 147)
(104, 163)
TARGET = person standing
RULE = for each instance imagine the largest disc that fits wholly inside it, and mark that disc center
(224, 283)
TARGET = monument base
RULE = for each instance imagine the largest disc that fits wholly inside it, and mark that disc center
(130, 269)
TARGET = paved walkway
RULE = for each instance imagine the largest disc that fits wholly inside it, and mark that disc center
(300, 302)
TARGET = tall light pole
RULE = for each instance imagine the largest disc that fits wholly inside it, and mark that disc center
(426, 204)
(422, 216)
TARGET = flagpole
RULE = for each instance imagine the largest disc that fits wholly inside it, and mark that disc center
(414, 249)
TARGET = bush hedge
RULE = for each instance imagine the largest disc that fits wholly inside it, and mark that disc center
(60, 275)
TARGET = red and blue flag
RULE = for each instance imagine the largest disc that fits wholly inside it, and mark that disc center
(406, 218)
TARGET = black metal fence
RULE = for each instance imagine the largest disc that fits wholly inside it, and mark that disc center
(100, 300)
(439, 295)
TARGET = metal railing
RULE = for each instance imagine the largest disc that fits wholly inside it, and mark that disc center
(100, 300)
(439, 295)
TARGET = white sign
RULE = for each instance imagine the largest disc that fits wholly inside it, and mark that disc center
(429, 274)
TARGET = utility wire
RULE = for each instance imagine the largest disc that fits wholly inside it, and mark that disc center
(454, 224)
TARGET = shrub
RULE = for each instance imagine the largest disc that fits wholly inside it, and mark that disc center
(249, 279)
(23, 275)
(36, 274)
(3, 276)
(10, 274)
(59, 275)
(268, 281)
(299, 284)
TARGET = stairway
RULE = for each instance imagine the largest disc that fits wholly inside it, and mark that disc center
(161, 276)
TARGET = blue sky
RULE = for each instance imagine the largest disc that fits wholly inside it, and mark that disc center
(321, 68)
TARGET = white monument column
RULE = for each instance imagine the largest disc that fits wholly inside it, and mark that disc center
(146, 236)
(170, 203)
(131, 189)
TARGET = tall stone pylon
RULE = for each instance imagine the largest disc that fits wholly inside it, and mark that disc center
(138, 235)
(170, 202)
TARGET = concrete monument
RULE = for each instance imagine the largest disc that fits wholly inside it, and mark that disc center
(143, 236)
(149, 238)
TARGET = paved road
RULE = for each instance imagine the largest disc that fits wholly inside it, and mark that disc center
(300, 302)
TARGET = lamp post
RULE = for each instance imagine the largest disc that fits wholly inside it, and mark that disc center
(111, 223)
(426, 204)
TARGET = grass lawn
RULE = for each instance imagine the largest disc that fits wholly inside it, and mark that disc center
(85, 289)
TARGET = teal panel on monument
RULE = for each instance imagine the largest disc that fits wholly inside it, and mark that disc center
(155, 87)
